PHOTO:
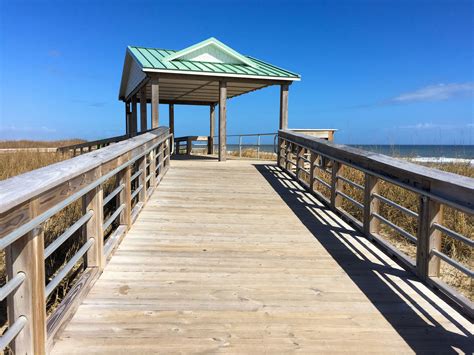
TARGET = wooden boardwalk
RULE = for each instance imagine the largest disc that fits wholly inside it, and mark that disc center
(236, 258)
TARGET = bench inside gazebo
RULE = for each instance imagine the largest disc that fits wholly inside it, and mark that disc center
(207, 73)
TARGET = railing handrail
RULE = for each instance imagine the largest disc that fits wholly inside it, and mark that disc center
(21, 188)
(447, 187)
(101, 141)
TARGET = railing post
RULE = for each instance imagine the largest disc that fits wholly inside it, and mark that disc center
(336, 184)
(152, 168)
(371, 205)
(142, 179)
(288, 155)
(93, 200)
(258, 146)
(126, 196)
(240, 146)
(299, 161)
(428, 237)
(27, 255)
(312, 166)
(189, 146)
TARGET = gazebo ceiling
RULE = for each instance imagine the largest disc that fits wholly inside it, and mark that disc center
(192, 75)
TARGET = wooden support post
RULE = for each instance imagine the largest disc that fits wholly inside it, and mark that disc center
(284, 106)
(428, 238)
(212, 129)
(126, 196)
(27, 255)
(189, 146)
(299, 162)
(312, 167)
(133, 124)
(336, 184)
(222, 121)
(143, 113)
(171, 117)
(93, 201)
(155, 103)
(371, 205)
(152, 168)
(127, 118)
(142, 178)
(288, 155)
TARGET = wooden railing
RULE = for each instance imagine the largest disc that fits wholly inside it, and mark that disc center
(318, 165)
(89, 146)
(134, 167)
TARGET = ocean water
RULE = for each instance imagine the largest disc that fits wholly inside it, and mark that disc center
(402, 151)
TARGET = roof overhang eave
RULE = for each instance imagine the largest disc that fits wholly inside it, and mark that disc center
(225, 75)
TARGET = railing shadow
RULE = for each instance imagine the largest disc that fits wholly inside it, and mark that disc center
(420, 324)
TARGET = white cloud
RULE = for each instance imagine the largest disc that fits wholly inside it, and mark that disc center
(430, 125)
(436, 93)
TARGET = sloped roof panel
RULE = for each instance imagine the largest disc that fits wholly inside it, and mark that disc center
(153, 59)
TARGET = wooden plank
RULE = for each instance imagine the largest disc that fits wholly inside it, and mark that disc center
(267, 267)
(222, 121)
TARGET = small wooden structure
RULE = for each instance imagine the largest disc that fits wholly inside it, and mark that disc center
(207, 73)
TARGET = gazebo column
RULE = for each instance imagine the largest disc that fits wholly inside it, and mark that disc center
(222, 120)
(155, 103)
(143, 118)
(133, 123)
(284, 106)
(127, 118)
(171, 119)
(212, 129)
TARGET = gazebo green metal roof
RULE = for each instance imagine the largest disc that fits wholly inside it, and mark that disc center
(167, 59)
(152, 58)
(192, 75)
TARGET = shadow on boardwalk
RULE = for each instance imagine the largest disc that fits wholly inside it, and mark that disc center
(414, 322)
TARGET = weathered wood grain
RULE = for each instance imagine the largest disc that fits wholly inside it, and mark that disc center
(236, 258)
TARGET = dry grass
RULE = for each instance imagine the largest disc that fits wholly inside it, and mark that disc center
(39, 144)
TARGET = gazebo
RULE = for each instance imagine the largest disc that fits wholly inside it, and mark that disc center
(207, 73)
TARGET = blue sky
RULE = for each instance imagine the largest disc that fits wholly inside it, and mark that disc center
(382, 72)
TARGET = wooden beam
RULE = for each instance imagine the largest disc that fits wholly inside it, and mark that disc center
(284, 106)
(133, 125)
(222, 120)
(212, 129)
(155, 102)
(143, 118)
(171, 117)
